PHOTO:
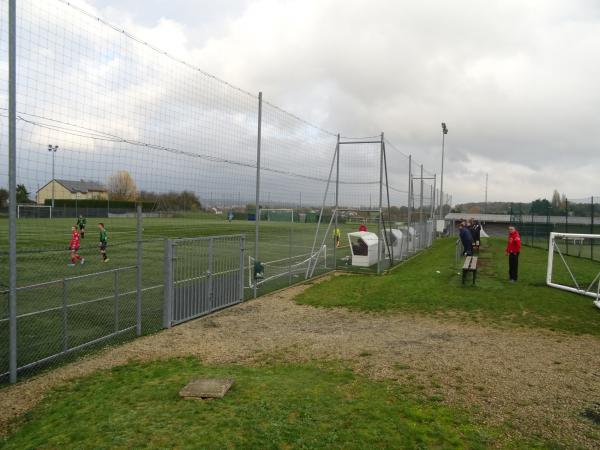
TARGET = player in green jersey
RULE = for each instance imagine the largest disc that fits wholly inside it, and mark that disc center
(103, 242)
(81, 221)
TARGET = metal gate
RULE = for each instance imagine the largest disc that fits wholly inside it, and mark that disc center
(202, 275)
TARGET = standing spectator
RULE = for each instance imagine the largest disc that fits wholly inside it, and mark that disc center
(466, 239)
(476, 232)
(362, 227)
(513, 248)
(469, 227)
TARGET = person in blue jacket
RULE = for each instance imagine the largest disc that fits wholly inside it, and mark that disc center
(466, 238)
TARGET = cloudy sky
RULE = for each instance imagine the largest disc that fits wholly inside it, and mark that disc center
(516, 81)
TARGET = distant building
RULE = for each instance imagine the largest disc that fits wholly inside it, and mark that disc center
(71, 190)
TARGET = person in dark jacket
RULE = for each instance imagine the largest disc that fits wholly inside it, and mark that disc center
(513, 248)
(466, 238)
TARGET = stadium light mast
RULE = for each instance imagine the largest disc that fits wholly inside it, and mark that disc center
(444, 133)
(52, 149)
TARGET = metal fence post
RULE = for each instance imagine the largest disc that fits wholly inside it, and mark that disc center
(567, 222)
(65, 317)
(421, 201)
(379, 222)
(290, 256)
(242, 251)
(548, 228)
(138, 278)
(117, 302)
(409, 206)
(337, 192)
(592, 227)
(532, 230)
(12, 189)
(257, 216)
(209, 276)
(168, 284)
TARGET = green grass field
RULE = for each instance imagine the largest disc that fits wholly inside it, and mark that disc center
(431, 284)
(275, 407)
(42, 247)
(319, 405)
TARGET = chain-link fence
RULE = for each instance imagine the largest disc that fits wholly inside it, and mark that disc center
(564, 215)
(103, 122)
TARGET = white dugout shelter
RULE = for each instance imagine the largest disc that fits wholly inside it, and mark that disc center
(363, 245)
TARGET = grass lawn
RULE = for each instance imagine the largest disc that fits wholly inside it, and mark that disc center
(430, 283)
(279, 407)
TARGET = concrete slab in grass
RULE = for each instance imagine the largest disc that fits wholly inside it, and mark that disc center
(205, 388)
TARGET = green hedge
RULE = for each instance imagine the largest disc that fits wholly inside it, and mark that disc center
(94, 203)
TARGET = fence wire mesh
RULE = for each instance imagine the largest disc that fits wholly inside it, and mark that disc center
(106, 122)
(538, 219)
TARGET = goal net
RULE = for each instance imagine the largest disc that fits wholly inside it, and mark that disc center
(34, 211)
(574, 264)
(293, 268)
(277, 215)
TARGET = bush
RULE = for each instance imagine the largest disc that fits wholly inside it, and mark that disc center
(95, 203)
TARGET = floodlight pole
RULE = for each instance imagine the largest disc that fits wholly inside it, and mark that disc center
(444, 133)
(12, 189)
(257, 199)
(52, 149)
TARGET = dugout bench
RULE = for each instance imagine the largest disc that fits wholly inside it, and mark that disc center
(470, 265)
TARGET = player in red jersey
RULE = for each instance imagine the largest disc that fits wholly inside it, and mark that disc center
(74, 248)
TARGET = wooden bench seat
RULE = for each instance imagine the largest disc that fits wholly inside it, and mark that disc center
(470, 265)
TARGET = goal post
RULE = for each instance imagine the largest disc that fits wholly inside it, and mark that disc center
(277, 214)
(34, 211)
(590, 289)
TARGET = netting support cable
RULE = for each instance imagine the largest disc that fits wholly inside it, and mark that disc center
(387, 188)
(337, 149)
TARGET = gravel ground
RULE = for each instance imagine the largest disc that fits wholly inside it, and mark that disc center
(538, 382)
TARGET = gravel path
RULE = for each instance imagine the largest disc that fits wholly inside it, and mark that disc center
(540, 382)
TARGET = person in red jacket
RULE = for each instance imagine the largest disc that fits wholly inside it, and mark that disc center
(74, 248)
(513, 248)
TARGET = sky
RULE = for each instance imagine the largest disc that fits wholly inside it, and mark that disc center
(516, 82)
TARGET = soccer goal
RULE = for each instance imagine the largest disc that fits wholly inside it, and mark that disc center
(277, 215)
(294, 268)
(571, 264)
(34, 211)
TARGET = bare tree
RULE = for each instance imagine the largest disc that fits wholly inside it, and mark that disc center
(555, 200)
(121, 186)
